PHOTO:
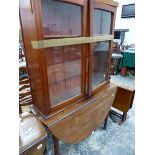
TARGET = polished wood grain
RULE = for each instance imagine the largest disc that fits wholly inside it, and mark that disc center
(75, 123)
(124, 99)
(37, 13)
(28, 33)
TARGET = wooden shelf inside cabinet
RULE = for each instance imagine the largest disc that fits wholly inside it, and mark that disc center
(67, 74)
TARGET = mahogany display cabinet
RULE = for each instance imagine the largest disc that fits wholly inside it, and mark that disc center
(63, 75)
(68, 47)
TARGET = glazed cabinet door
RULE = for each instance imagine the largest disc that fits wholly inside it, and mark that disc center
(65, 65)
(63, 75)
(101, 23)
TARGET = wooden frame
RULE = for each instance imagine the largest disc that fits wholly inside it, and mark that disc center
(36, 21)
(32, 29)
(101, 5)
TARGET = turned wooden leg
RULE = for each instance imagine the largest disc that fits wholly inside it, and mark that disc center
(105, 123)
(56, 145)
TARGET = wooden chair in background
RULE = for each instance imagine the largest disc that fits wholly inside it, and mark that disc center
(25, 95)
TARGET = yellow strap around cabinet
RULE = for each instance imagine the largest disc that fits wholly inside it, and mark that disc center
(69, 41)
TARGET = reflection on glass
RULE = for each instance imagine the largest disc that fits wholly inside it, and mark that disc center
(102, 22)
(60, 18)
(64, 72)
(100, 63)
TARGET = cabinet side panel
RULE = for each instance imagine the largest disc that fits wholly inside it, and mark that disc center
(28, 33)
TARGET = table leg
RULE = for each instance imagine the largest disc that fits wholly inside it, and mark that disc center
(124, 117)
(56, 145)
(105, 123)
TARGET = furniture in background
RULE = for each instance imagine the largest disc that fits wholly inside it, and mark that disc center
(123, 100)
(25, 94)
(21, 53)
(115, 63)
(69, 77)
(119, 36)
(32, 135)
(128, 60)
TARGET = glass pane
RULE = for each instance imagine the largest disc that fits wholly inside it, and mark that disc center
(100, 63)
(64, 72)
(102, 22)
(61, 19)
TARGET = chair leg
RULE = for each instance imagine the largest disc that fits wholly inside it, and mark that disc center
(124, 117)
(20, 109)
(56, 145)
(105, 123)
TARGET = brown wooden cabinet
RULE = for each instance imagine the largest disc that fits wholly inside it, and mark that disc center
(63, 75)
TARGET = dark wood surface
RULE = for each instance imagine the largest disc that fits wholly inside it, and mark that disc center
(124, 99)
